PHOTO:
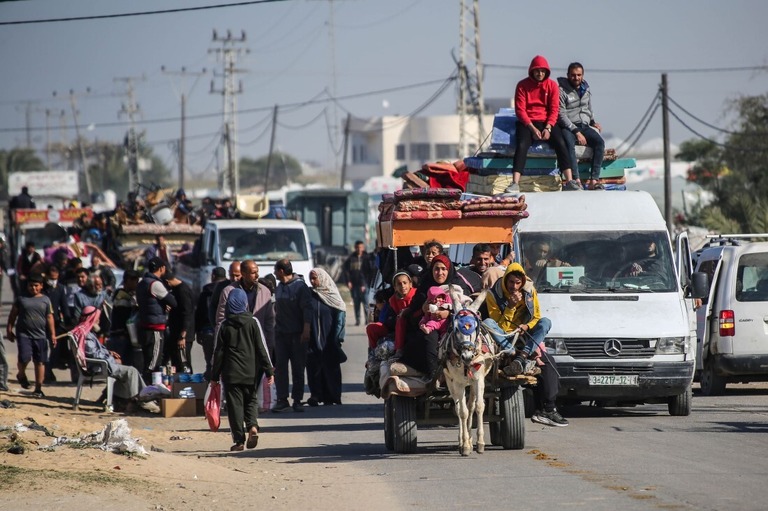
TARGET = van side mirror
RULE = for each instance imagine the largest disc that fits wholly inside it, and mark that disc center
(699, 285)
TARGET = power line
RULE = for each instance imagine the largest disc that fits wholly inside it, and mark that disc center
(140, 13)
(716, 128)
(637, 138)
(648, 71)
(715, 142)
(654, 103)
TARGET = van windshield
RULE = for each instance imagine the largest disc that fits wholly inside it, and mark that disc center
(263, 244)
(579, 262)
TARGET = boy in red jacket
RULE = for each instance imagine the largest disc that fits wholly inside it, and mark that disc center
(537, 103)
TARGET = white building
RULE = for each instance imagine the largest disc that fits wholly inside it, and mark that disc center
(380, 145)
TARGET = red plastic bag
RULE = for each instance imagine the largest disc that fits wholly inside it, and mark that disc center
(213, 405)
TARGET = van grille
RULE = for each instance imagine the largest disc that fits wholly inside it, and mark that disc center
(595, 348)
(612, 369)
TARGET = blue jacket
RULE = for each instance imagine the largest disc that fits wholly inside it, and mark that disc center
(292, 306)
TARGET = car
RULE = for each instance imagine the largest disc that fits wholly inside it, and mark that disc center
(731, 324)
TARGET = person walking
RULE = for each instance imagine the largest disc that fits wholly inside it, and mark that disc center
(240, 360)
(292, 313)
(357, 271)
(181, 322)
(24, 264)
(154, 302)
(324, 353)
(32, 315)
(55, 292)
(122, 337)
(234, 276)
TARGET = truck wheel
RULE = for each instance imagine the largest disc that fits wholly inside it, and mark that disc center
(712, 384)
(512, 423)
(680, 405)
(389, 437)
(404, 424)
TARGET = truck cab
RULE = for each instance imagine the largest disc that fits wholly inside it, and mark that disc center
(264, 241)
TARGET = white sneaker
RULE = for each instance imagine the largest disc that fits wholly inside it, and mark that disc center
(513, 188)
(150, 406)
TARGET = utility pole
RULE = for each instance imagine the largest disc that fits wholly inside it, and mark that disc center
(131, 139)
(470, 101)
(79, 141)
(183, 96)
(227, 55)
(271, 150)
(344, 152)
(48, 139)
(667, 164)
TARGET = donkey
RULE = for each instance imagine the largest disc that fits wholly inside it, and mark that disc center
(467, 356)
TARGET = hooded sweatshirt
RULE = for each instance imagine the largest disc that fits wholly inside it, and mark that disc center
(241, 355)
(537, 101)
(507, 315)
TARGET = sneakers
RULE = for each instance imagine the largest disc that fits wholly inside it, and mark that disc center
(38, 393)
(513, 188)
(552, 418)
(598, 186)
(297, 407)
(516, 367)
(150, 406)
(571, 185)
(281, 406)
(23, 381)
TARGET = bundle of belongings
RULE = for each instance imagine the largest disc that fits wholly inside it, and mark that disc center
(441, 174)
(442, 203)
(490, 172)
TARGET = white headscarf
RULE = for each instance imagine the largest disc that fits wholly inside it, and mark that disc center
(327, 291)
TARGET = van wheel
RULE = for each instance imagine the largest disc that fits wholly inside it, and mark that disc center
(712, 384)
(680, 405)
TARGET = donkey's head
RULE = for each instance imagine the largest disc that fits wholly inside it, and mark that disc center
(465, 334)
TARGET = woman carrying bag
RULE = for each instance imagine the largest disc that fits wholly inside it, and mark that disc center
(324, 353)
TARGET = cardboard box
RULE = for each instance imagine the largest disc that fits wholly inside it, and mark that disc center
(199, 389)
(178, 407)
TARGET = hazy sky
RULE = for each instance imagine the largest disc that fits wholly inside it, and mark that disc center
(624, 45)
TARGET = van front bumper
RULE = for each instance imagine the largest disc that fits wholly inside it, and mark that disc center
(742, 365)
(654, 380)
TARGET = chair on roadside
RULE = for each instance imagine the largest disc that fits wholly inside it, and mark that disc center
(94, 371)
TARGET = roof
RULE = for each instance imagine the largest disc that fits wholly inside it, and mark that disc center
(591, 210)
(267, 223)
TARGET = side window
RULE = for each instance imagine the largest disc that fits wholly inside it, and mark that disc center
(708, 267)
(210, 249)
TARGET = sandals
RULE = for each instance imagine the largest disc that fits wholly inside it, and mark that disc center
(253, 439)
(23, 381)
(236, 448)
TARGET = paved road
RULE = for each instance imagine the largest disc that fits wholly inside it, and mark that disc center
(630, 459)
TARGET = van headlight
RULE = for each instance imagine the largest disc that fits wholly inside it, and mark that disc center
(556, 346)
(670, 345)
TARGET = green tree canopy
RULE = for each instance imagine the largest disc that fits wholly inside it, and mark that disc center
(17, 160)
(736, 171)
(284, 169)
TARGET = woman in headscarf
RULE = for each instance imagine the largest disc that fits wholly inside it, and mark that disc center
(241, 359)
(324, 353)
(420, 349)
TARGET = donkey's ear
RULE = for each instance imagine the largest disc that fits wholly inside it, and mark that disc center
(475, 306)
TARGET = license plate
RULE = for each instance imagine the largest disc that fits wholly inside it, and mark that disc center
(625, 380)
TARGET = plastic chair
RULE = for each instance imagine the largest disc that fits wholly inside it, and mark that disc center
(91, 373)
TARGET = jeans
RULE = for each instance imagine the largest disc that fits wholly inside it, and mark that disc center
(358, 297)
(533, 338)
(594, 140)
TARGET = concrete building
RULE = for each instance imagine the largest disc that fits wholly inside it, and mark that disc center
(378, 146)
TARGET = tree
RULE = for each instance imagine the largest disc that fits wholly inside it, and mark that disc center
(18, 159)
(284, 169)
(736, 172)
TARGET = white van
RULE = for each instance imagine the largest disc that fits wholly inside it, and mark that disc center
(619, 297)
(732, 324)
(264, 241)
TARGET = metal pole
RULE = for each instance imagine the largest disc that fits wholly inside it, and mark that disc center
(271, 149)
(667, 165)
(344, 152)
(83, 163)
(181, 142)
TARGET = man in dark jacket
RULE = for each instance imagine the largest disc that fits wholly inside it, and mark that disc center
(240, 360)
(234, 276)
(154, 301)
(357, 272)
(292, 313)
(181, 324)
(58, 296)
(203, 325)
(124, 306)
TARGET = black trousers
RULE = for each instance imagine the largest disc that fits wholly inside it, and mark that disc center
(290, 350)
(547, 385)
(524, 140)
(420, 352)
(242, 408)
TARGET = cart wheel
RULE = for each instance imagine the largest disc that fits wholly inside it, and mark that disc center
(389, 419)
(680, 405)
(512, 418)
(404, 424)
(494, 427)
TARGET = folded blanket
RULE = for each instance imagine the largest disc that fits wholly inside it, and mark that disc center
(427, 205)
(427, 193)
(492, 203)
(446, 175)
(495, 212)
(426, 215)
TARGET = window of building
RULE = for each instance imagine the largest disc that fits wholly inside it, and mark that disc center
(446, 152)
(420, 152)
(400, 152)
